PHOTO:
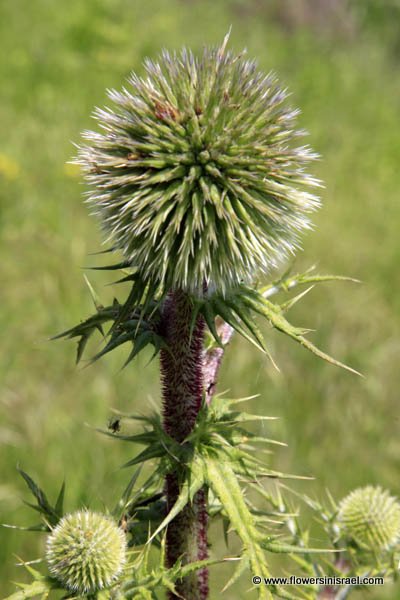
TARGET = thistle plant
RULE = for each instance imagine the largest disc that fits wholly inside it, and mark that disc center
(199, 179)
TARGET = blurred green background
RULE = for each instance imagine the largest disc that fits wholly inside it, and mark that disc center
(341, 61)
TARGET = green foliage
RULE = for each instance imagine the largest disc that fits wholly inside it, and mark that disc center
(145, 580)
(224, 455)
(131, 323)
(51, 515)
(220, 455)
(238, 306)
(137, 319)
(40, 586)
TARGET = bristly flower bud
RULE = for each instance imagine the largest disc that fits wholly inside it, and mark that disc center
(86, 552)
(371, 518)
(197, 176)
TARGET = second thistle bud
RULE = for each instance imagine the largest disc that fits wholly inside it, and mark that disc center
(370, 517)
(86, 552)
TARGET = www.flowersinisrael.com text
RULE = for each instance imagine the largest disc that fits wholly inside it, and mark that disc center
(331, 581)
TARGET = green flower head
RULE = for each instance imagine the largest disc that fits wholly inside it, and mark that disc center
(86, 552)
(371, 518)
(197, 176)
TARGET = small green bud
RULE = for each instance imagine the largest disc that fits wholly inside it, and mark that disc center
(86, 552)
(197, 175)
(370, 517)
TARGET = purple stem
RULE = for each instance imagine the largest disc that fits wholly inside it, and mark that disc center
(186, 370)
(182, 385)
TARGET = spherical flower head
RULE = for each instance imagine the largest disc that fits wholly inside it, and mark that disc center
(86, 552)
(370, 517)
(198, 177)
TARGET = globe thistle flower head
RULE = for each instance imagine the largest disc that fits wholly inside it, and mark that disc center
(198, 176)
(371, 518)
(86, 552)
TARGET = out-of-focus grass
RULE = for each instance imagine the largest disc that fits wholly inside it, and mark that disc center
(57, 60)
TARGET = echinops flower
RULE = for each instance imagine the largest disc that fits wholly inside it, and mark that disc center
(370, 517)
(86, 552)
(198, 177)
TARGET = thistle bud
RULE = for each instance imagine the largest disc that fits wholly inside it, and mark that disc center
(370, 517)
(197, 176)
(86, 552)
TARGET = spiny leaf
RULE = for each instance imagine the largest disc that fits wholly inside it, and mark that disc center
(223, 481)
(281, 548)
(155, 451)
(127, 492)
(81, 347)
(135, 321)
(96, 300)
(59, 506)
(43, 504)
(290, 303)
(115, 267)
(32, 590)
(41, 586)
(194, 481)
(224, 311)
(209, 317)
(255, 301)
(187, 569)
(287, 282)
(240, 310)
(238, 572)
(39, 527)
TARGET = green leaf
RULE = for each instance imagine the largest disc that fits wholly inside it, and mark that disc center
(223, 482)
(95, 298)
(116, 267)
(238, 572)
(194, 480)
(221, 308)
(209, 317)
(135, 320)
(43, 506)
(255, 301)
(251, 325)
(282, 548)
(59, 507)
(187, 569)
(41, 586)
(155, 451)
(287, 282)
(32, 590)
(127, 492)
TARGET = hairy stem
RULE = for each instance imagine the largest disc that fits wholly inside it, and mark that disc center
(182, 382)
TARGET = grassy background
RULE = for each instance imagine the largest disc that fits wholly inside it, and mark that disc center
(56, 61)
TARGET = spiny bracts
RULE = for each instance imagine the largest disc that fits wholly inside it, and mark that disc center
(197, 176)
(370, 517)
(86, 552)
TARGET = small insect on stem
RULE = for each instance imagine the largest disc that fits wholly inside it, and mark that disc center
(114, 424)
